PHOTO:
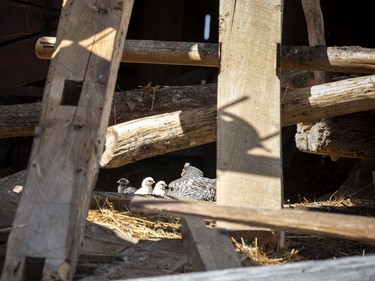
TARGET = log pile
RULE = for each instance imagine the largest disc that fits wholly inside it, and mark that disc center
(301, 101)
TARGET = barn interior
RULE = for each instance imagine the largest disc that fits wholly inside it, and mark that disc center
(307, 177)
(23, 76)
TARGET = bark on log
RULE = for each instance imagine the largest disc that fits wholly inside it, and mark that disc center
(298, 105)
(20, 120)
(349, 59)
(329, 100)
(351, 136)
(155, 135)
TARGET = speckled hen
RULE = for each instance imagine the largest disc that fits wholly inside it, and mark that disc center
(193, 184)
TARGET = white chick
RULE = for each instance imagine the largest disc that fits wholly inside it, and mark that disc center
(146, 187)
(160, 188)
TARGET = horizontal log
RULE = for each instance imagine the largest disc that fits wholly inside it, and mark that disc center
(156, 135)
(328, 100)
(153, 52)
(20, 120)
(351, 136)
(349, 268)
(298, 105)
(342, 226)
(332, 59)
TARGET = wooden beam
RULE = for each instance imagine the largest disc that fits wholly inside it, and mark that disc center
(208, 248)
(248, 129)
(328, 100)
(336, 225)
(348, 59)
(356, 268)
(315, 30)
(196, 124)
(64, 161)
(136, 140)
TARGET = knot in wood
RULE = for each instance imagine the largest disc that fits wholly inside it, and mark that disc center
(77, 127)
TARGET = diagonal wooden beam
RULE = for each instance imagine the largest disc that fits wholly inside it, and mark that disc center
(70, 138)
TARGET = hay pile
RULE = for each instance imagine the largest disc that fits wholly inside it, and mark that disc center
(299, 247)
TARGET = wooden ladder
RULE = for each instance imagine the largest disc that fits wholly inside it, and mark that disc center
(70, 137)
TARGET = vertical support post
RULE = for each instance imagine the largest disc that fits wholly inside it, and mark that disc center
(315, 29)
(69, 141)
(249, 167)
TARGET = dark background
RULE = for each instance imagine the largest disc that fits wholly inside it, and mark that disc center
(22, 78)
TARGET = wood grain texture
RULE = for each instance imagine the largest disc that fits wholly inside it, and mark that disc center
(155, 135)
(349, 268)
(208, 248)
(297, 105)
(351, 136)
(357, 228)
(315, 30)
(329, 100)
(65, 157)
(348, 59)
(248, 138)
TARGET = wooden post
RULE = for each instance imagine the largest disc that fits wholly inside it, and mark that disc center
(248, 140)
(315, 30)
(69, 141)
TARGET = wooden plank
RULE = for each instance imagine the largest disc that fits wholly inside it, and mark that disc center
(348, 59)
(248, 130)
(349, 268)
(208, 248)
(64, 161)
(337, 225)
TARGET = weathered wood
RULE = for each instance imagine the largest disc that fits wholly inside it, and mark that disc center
(208, 248)
(315, 30)
(297, 105)
(357, 228)
(350, 136)
(21, 119)
(329, 100)
(64, 161)
(154, 52)
(155, 135)
(348, 59)
(248, 128)
(349, 268)
(307, 104)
